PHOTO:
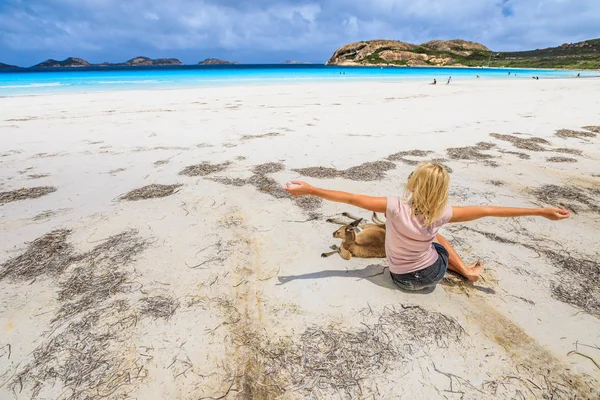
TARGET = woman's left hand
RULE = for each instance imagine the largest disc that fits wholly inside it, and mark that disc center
(298, 188)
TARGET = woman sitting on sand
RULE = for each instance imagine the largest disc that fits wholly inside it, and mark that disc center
(417, 255)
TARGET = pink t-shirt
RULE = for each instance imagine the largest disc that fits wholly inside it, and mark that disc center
(408, 242)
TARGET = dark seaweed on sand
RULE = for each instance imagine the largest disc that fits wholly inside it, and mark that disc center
(568, 133)
(150, 192)
(555, 195)
(47, 255)
(561, 160)
(525, 143)
(369, 171)
(25, 193)
(204, 168)
(471, 152)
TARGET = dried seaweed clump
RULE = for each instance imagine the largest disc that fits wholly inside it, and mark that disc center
(204, 168)
(50, 213)
(47, 255)
(568, 151)
(98, 275)
(117, 250)
(568, 133)
(400, 156)
(159, 307)
(86, 358)
(38, 176)
(161, 162)
(592, 128)
(561, 160)
(268, 185)
(578, 282)
(328, 360)
(308, 203)
(369, 171)
(471, 152)
(496, 183)
(263, 135)
(319, 172)
(229, 181)
(268, 168)
(150, 192)
(554, 195)
(25, 193)
(529, 143)
(522, 156)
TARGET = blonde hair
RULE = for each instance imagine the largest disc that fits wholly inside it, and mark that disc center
(427, 191)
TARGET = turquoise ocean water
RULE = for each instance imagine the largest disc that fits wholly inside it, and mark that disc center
(49, 81)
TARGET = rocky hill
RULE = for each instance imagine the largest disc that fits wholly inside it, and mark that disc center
(145, 61)
(2, 65)
(584, 54)
(216, 61)
(70, 62)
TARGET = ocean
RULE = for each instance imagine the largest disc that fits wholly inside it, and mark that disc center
(77, 80)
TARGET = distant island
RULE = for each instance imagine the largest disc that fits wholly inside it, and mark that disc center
(73, 62)
(216, 61)
(145, 61)
(437, 53)
(70, 62)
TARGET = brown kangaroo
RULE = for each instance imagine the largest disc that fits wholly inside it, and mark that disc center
(359, 240)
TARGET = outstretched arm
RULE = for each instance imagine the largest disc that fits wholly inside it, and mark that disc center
(377, 204)
(464, 214)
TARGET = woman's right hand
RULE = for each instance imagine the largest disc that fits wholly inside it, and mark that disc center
(298, 188)
(555, 214)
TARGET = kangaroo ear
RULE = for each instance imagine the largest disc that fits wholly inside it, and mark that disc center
(355, 223)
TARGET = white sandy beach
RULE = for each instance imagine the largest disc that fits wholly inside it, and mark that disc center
(252, 310)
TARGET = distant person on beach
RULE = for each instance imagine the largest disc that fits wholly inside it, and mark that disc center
(477, 76)
(434, 82)
(578, 74)
(417, 255)
(449, 79)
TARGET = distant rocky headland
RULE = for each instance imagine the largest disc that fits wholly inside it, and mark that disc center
(581, 55)
(216, 61)
(2, 65)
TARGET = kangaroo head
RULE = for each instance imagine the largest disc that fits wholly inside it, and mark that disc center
(347, 232)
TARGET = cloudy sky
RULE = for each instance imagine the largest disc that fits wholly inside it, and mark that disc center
(265, 31)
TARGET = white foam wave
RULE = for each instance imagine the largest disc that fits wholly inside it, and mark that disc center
(33, 85)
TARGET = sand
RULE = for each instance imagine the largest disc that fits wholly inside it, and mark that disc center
(216, 288)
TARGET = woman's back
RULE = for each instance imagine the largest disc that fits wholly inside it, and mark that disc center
(408, 243)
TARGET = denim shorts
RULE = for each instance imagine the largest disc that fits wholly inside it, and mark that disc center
(426, 277)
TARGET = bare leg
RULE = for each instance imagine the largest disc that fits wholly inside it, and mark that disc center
(456, 264)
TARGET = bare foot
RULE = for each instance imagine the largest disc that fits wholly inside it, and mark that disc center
(473, 271)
